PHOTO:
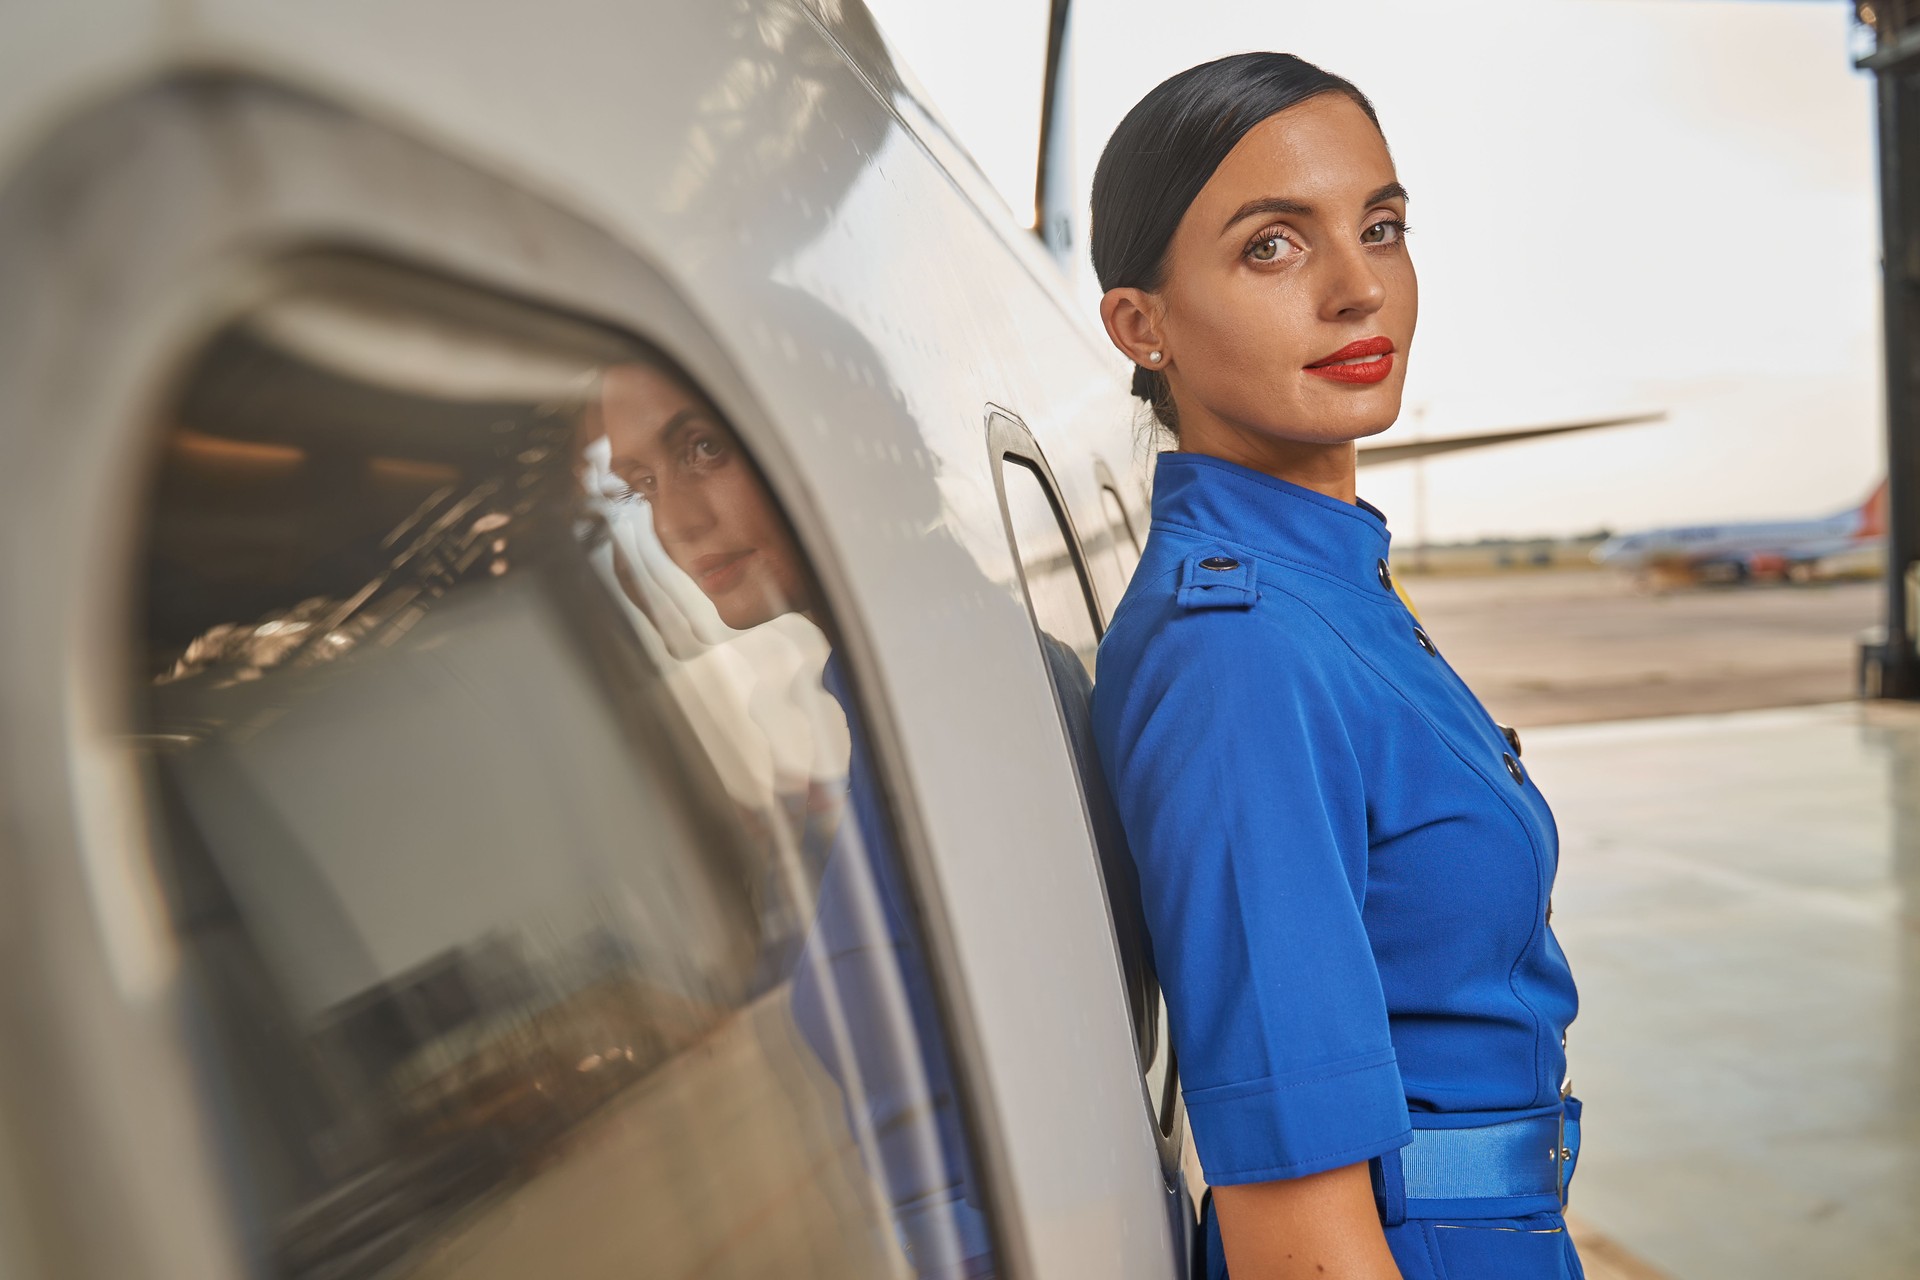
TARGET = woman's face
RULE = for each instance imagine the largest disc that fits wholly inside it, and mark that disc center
(711, 511)
(1290, 253)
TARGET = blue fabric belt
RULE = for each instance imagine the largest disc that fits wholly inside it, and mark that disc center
(1500, 1170)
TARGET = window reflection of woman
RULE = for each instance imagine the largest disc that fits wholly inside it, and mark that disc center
(717, 522)
(711, 511)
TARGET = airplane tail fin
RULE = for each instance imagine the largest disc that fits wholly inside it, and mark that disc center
(1873, 513)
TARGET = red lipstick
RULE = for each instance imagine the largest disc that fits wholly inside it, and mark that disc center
(721, 572)
(1369, 360)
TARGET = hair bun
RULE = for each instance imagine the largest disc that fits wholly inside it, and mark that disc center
(1146, 383)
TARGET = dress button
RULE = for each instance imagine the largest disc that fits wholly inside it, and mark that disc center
(1512, 736)
(1426, 641)
(1386, 575)
(1513, 767)
(1219, 564)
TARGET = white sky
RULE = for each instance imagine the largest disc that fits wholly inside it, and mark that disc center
(1616, 205)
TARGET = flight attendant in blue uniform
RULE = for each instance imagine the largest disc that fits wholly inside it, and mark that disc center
(1344, 863)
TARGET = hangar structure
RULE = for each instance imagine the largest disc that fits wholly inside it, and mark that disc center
(1889, 39)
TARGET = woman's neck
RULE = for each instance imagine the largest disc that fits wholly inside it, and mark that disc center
(1323, 467)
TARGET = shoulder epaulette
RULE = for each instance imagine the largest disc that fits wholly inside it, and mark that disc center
(1216, 580)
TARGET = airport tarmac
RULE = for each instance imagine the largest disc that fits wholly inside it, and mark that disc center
(1738, 897)
(1565, 645)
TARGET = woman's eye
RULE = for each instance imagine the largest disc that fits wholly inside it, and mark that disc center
(702, 450)
(1398, 227)
(1269, 248)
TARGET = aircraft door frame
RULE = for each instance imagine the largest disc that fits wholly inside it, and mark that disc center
(1008, 439)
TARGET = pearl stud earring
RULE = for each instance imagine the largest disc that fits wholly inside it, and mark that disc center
(1153, 357)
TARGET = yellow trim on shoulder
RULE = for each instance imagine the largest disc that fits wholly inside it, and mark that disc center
(1404, 597)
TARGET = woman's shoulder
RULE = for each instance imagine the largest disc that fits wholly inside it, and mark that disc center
(1195, 601)
(1206, 657)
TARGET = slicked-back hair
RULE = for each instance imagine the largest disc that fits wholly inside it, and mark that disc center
(1164, 151)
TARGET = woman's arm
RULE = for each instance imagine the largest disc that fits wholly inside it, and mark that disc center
(1320, 1227)
(1229, 750)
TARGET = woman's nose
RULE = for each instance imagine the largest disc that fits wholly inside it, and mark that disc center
(681, 514)
(1353, 287)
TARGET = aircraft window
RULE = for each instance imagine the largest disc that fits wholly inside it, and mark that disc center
(517, 820)
(1054, 578)
(1066, 616)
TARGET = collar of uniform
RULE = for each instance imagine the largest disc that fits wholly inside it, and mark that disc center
(1213, 497)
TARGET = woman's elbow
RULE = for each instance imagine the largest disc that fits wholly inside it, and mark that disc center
(1319, 1226)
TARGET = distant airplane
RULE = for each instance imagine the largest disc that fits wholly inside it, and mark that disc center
(1751, 550)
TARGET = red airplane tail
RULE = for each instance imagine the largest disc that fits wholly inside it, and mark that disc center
(1873, 513)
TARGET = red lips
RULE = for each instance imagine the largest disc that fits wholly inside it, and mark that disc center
(721, 571)
(1372, 361)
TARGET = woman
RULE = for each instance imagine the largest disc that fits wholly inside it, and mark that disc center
(1345, 866)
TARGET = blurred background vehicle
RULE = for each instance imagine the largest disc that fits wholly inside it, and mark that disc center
(1757, 550)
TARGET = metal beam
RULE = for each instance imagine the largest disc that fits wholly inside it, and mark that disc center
(1892, 670)
(1052, 215)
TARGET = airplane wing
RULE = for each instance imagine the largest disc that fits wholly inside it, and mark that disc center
(1370, 455)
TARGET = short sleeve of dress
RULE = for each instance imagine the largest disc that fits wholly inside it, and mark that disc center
(1242, 801)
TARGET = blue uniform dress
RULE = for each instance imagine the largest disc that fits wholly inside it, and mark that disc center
(1344, 866)
(861, 949)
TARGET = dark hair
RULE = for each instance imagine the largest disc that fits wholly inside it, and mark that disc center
(1163, 153)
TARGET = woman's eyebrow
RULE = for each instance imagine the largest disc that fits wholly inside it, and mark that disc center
(678, 424)
(667, 437)
(1281, 204)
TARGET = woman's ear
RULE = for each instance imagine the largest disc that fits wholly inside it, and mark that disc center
(1132, 318)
